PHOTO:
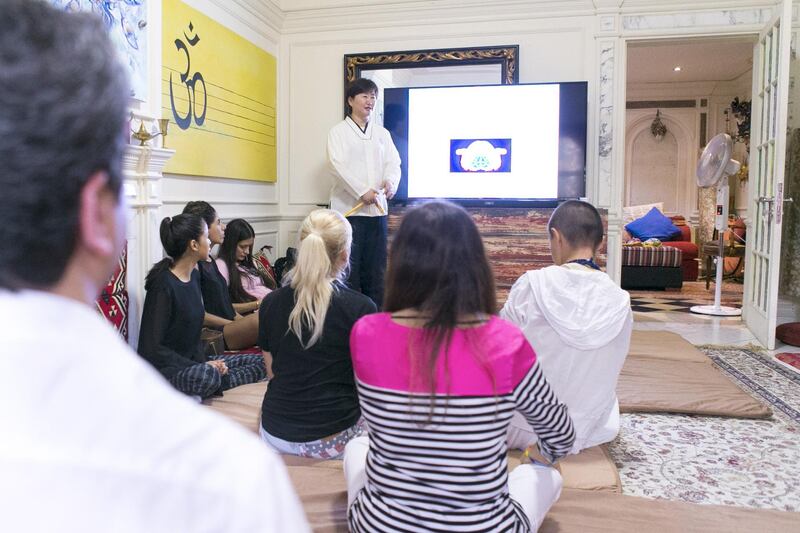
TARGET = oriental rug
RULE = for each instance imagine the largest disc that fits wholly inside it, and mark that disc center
(725, 461)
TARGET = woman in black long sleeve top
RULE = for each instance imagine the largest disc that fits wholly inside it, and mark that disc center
(173, 317)
(238, 331)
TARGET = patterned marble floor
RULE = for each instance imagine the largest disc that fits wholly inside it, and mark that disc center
(692, 293)
(712, 460)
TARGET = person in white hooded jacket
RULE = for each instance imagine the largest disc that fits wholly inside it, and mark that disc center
(579, 323)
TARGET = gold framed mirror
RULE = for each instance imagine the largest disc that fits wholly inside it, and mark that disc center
(438, 67)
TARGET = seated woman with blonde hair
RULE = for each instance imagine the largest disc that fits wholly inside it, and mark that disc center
(311, 406)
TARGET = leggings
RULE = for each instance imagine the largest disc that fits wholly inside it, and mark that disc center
(330, 447)
(535, 487)
(204, 380)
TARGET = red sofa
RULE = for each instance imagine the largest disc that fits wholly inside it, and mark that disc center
(667, 266)
(683, 242)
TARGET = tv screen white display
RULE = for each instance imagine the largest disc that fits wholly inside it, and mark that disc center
(490, 145)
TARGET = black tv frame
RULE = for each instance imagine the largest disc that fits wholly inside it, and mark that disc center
(569, 190)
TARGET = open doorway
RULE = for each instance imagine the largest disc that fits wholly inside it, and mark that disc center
(680, 93)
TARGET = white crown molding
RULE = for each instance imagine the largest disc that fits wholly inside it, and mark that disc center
(429, 13)
(299, 16)
(260, 16)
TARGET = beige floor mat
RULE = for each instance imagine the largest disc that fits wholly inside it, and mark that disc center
(664, 345)
(664, 386)
(242, 404)
(581, 511)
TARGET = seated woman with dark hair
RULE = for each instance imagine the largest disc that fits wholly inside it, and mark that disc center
(238, 331)
(246, 285)
(439, 378)
(169, 337)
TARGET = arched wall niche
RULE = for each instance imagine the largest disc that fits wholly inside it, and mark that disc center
(665, 171)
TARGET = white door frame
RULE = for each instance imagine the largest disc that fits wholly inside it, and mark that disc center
(768, 164)
(615, 31)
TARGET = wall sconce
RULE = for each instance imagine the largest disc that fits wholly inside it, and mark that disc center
(657, 128)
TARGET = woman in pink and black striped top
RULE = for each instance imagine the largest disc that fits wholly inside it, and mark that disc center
(439, 378)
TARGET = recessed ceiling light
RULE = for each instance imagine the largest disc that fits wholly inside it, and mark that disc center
(677, 68)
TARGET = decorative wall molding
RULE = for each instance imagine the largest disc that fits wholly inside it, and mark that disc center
(709, 20)
(142, 168)
(608, 23)
(662, 104)
(605, 113)
(683, 128)
(382, 15)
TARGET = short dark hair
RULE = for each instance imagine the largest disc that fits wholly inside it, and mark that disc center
(63, 104)
(579, 223)
(202, 209)
(359, 86)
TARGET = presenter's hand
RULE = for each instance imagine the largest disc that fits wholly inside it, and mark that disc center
(369, 197)
(387, 188)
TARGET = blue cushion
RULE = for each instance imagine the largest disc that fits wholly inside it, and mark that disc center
(654, 225)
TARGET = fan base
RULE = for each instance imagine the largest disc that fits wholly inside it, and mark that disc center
(716, 311)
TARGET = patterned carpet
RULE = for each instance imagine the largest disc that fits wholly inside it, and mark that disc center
(726, 461)
(790, 360)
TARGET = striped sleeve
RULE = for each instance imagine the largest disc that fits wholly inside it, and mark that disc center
(549, 418)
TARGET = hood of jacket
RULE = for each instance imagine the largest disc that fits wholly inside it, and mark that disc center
(585, 307)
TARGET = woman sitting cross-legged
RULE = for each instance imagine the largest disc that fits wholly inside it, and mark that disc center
(238, 331)
(169, 337)
(311, 406)
(439, 378)
(246, 285)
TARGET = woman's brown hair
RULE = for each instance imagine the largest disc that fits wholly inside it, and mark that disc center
(438, 266)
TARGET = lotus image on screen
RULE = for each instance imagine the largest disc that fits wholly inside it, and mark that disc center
(481, 156)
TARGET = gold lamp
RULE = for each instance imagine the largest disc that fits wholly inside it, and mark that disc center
(143, 136)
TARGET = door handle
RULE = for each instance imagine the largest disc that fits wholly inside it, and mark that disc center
(766, 199)
(788, 200)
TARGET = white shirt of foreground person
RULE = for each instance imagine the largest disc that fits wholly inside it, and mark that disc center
(360, 161)
(579, 323)
(94, 440)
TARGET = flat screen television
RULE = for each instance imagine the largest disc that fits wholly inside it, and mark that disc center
(490, 145)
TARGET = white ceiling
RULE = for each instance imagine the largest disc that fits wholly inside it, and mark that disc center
(700, 60)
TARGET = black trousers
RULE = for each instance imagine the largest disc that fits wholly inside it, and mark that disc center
(368, 256)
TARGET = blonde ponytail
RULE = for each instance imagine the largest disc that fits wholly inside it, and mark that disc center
(325, 238)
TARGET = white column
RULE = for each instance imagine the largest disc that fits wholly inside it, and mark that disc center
(143, 170)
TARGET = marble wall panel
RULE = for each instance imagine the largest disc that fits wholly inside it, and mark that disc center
(515, 240)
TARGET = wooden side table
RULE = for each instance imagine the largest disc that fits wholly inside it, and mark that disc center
(711, 249)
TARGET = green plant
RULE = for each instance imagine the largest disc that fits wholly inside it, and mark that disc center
(741, 111)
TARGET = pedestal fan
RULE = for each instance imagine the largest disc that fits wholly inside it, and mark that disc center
(713, 169)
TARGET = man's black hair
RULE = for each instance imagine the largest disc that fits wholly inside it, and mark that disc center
(63, 102)
(579, 223)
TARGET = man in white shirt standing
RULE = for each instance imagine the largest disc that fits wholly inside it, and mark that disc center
(94, 440)
(365, 167)
(579, 323)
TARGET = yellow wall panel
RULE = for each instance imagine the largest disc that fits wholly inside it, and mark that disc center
(219, 92)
